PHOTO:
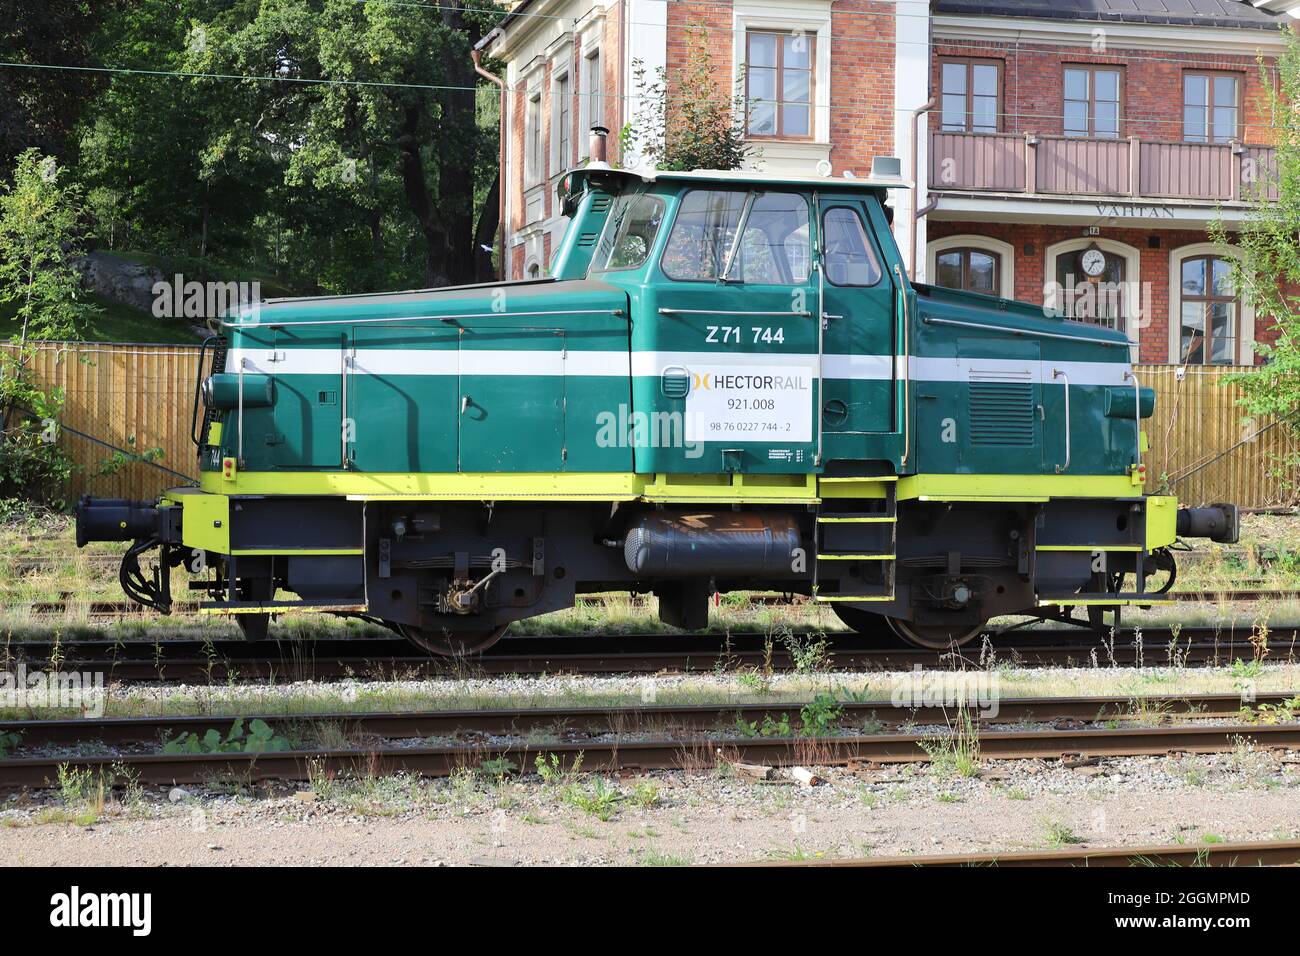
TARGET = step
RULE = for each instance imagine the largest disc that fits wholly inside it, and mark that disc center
(856, 519)
(850, 556)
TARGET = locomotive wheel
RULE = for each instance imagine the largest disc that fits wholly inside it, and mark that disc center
(861, 621)
(441, 642)
(935, 637)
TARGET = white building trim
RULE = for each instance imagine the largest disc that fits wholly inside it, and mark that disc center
(1132, 257)
(912, 57)
(790, 157)
(1005, 251)
(1115, 35)
(1245, 311)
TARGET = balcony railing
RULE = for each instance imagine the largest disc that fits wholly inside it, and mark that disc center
(1035, 164)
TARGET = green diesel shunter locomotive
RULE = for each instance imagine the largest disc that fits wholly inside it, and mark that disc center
(728, 382)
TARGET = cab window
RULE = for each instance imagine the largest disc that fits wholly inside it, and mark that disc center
(774, 249)
(629, 233)
(850, 260)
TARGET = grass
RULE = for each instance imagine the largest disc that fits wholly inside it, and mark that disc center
(1057, 834)
(115, 322)
(956, 754)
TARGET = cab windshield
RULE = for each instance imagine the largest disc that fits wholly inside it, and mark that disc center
(629, 233)
(773, 246)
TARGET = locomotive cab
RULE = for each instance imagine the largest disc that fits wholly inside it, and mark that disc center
(728, 382)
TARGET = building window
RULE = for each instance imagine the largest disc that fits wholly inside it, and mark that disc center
(779, 84)
(591, 111)
(1093, 97)
(533, 139)
(562, 136)
(1091, 284)
(1211, 112)
(971, 95)
(975, 270)
(1208, 313)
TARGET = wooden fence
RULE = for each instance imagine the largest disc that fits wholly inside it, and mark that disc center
(139, 397)
(1208, 447)
(133, 397)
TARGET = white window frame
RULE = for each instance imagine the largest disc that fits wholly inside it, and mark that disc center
(1132, 257)
(1005, 252)
(534, 152)
(762, 15)
(1245, 312)
(591, 111)
(561, 75)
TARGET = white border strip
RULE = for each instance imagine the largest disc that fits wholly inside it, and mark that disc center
(618, 364)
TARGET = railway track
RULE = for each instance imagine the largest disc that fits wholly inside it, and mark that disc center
(379, 658)
(400, 743)
(1268, 853)
(523, 721)
(109, 610)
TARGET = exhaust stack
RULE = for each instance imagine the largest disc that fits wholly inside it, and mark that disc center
(598, 148)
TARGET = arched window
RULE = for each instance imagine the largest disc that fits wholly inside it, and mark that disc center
(534, 271)
(964, 267)
(1208, 313)
(1093, 287)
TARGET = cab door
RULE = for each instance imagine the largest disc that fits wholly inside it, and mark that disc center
(859, 327)
(724, 358)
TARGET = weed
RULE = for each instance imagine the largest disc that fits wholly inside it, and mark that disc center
(820, 715)
(259, 738)
(599, 799)
(957, 753)
(1057, 833)
(652, 857)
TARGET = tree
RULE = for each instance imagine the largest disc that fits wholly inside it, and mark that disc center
(40, 226)
(352, 151)
(39, 108)
(688, 120)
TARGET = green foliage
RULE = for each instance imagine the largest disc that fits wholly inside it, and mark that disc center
(597, 798)
(120, 459)
(32, 466)
(39, 231)
(497, 769)
(820, 715)
(9, 741)
(368, 183)
(259, 738)
(770, 727)
(687, 120)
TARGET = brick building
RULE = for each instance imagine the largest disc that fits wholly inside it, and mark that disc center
(1068, 154)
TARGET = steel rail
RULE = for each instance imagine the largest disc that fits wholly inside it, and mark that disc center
(627, 654)
(614, 719)
(618, 754)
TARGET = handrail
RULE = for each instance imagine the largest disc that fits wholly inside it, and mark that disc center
(1057, 373)
(272, 324)
(733, 312)
(240, 450)
(1137, 416)
(198, 389)
(1090, 339)
(907, 364)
